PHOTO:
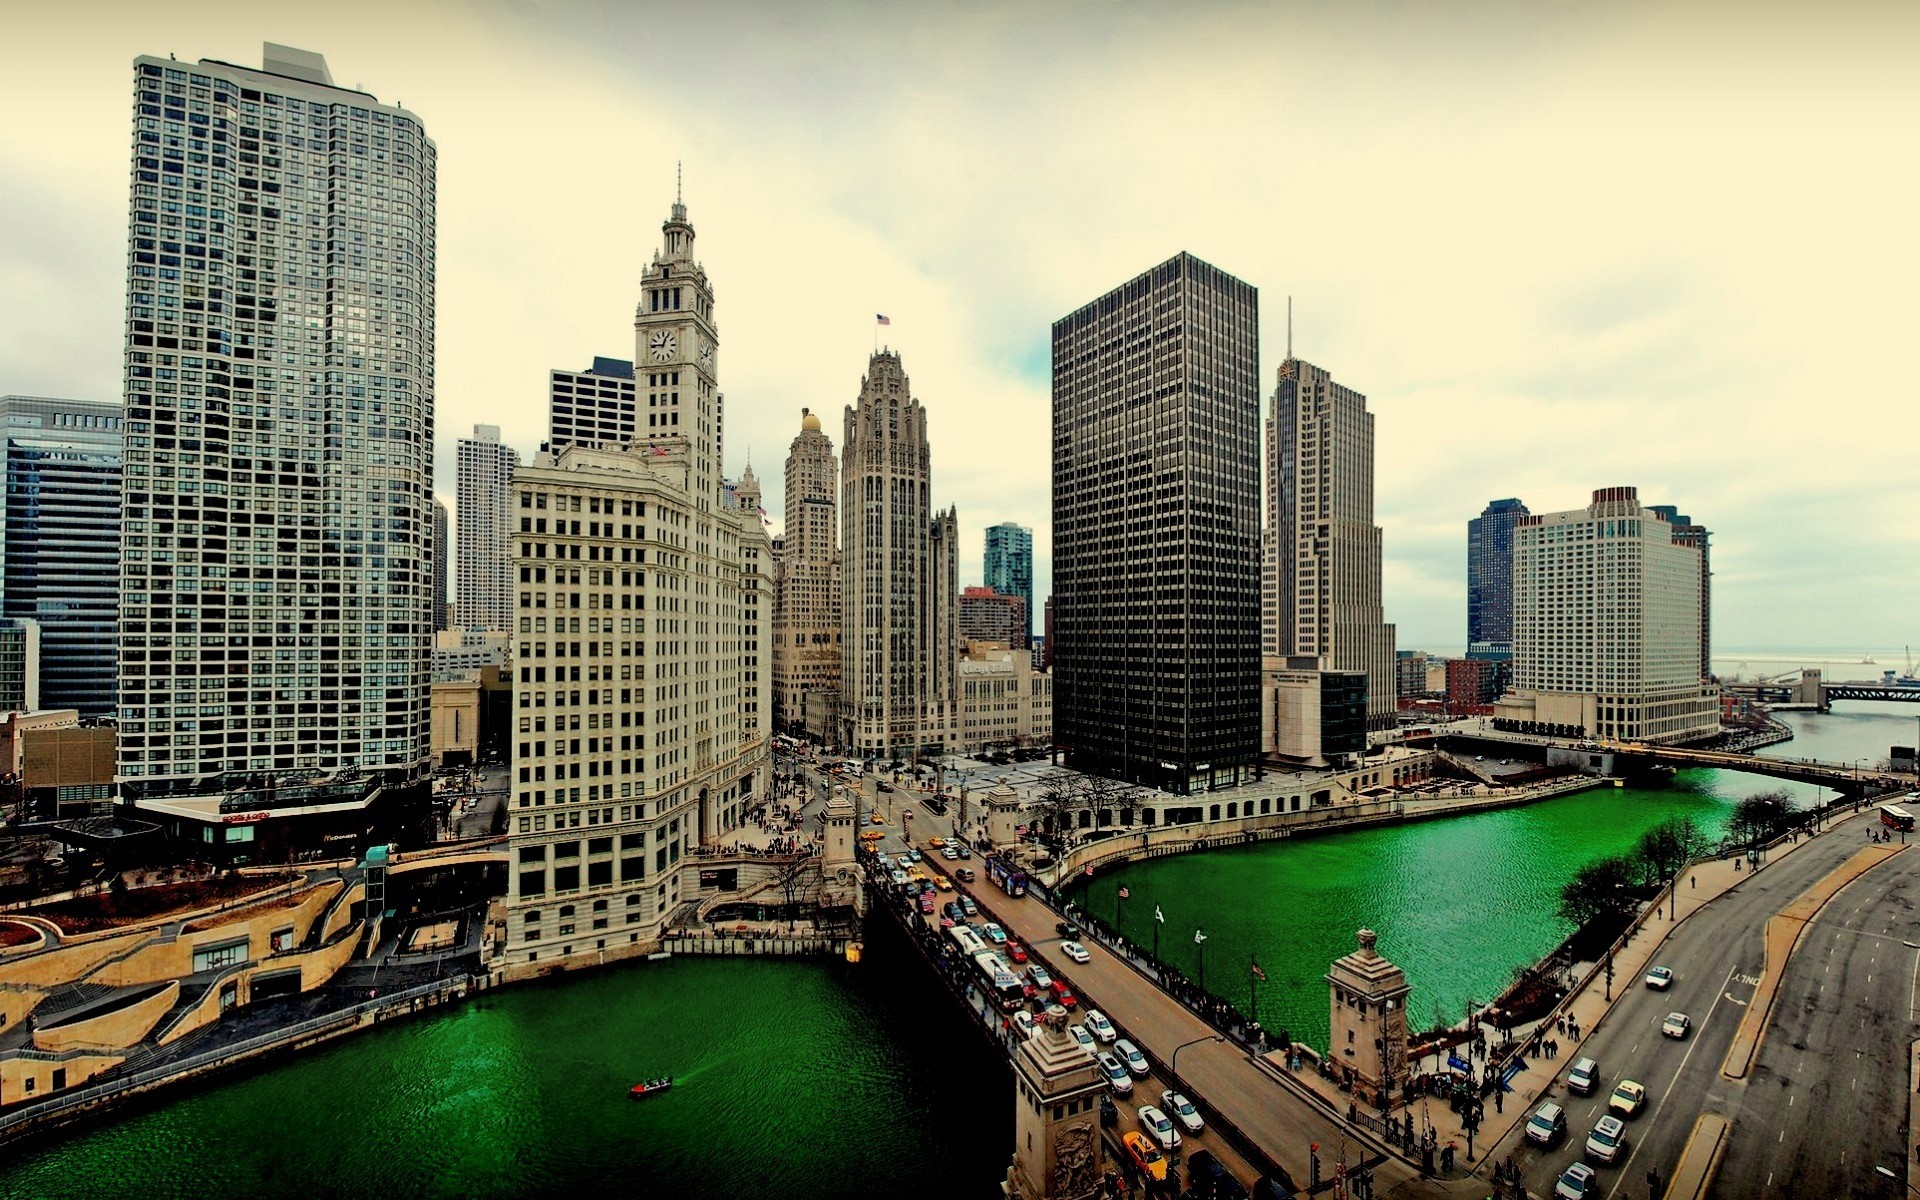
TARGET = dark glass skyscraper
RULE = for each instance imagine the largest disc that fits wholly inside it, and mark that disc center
(1156, 500)
(1490, 580)
(60, 544)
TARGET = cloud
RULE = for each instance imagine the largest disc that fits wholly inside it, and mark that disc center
(1558, 248)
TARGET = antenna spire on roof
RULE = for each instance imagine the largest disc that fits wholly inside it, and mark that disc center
(676, 181)
(1289, 326)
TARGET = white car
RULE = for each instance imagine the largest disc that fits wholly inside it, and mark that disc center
(1023, 1021)
(1676, 1025)
(1182, 1110)
(1098, 1025)
(1081, 1035)
(1608, 1139)
(1117, 1077)
(1130, 1054)
(1158, 1129)
(1660, 978)
(1075, 951)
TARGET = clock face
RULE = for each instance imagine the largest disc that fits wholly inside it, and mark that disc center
(706, 353)
(663, 345)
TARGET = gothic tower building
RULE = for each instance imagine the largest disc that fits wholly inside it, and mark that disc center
(806, 643)
(899, 560)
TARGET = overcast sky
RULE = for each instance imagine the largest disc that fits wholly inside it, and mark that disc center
(1558, 246)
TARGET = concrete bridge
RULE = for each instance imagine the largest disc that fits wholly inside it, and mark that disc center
(1845, 777)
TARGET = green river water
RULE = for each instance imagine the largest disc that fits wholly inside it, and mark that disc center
(807, 1079)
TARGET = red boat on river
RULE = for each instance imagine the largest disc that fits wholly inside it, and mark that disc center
(651, 1087)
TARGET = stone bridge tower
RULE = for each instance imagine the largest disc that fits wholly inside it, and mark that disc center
(839, 877)
(1369, 1022)
(1057, 1152)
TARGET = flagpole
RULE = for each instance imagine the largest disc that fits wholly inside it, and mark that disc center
(1253, 989)
(1156, 934)
(1200, 943)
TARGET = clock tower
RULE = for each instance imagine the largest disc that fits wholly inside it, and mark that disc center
(676, 346)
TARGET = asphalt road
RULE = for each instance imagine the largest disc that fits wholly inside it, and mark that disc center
(1717, 956)
(1827, 1103)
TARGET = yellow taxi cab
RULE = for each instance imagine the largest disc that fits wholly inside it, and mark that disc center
(943, 883)
(914, 872)
(877, 819)
(1145, 1155)
(872, 835)
(936, 842)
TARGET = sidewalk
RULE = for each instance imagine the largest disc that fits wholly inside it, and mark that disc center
(1586, 1004)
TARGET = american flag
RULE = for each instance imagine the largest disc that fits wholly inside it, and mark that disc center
(1257, 972)
(1123, 892)
(882, 318)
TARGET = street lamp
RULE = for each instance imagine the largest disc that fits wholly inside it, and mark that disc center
(1173, 1068)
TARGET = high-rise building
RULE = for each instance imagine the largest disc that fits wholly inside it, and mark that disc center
(1325, 549)
(484, 553)
(60, 543)
(1687, 533)
(440, 550)
(275, 605)
(595, 407)
(1606, 627)
(1156, 490)
(1490, 579)
(806, 641)
(900, 566)
(988, 616)
(19, 664)
(641, 629)
(1009, 564)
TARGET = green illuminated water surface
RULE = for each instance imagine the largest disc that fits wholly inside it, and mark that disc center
(806, 1079)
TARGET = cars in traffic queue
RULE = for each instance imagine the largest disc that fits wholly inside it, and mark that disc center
(914, 856)
(1660, 978)
(872, 835)
(1117, 1077)
(1016, 951)
(1080, 1035)
(969, 907)
(1608, 1140)
(952, 909)
(1038, 975)
(1629, 1097)
(926, 902)
(1109, 1112)
(1098, 1025)
(1023, 1021)
(1075, 951)
(1158, 1127)
(1182, 1110)
(993, 933)
(1577, 1182)
(1547, 1125)
(1129, 1054)
(943, 883)
(1676, 1025)
(1145, 1155)
(936, 842)
(1583, 1077)
(950, 854)
(1062, 994)
(966, 874)
(898, 877)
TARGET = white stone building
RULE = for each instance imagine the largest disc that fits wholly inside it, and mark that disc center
(640, 611)
(1606, 626)
(484, 562)
(1004, 701)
